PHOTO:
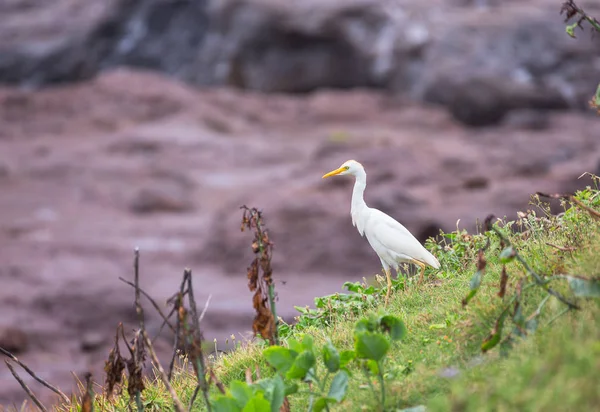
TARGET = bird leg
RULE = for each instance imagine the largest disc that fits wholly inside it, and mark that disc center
(422, 275)
(389, 285)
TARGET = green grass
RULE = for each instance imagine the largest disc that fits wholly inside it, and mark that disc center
(440, 364)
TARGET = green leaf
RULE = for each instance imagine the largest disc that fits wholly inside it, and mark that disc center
(364, 325)
(597, 97)
(307, 342)
(294, 346)
(352, 287)
(331, 357)
(279, 357)
(339, 386)
(570, 29)
(394, 326)
(474, 285)
(507, 255)
(302, 364)
(222, 403)
(258, 403)
(585, 288)
(494, 338)
(274, 391)
(346, 357)
(370, 345)
(373, 366)
(240, 392)
(291, 388)
(321, 403)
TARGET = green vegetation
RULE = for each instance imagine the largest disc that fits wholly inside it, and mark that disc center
(483, 333)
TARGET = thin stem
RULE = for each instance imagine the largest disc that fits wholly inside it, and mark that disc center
(373, 390)
(562, 312)
(200, 365)
(381, 384)
(34, 376)
(25, 387)
(538, 279)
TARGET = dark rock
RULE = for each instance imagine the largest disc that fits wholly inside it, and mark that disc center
(476, 183)
(14, 340)
(91, 341)
(480, 63)
(150, 34)
(161, 198)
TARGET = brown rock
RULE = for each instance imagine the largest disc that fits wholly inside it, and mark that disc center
(14, 340)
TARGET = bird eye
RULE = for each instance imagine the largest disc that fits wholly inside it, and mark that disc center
(347, 167)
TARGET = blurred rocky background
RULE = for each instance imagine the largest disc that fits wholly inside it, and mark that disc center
(148, 123)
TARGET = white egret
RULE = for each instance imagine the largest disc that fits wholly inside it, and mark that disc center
(392, 242)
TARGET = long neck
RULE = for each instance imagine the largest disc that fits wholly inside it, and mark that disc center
(358, 201)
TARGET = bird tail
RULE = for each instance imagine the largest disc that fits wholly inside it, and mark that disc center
(431, 260)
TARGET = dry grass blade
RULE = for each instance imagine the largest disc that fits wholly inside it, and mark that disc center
(53, 388)
(163, 376)
(216, 381)
(561, 248)
(25, 387)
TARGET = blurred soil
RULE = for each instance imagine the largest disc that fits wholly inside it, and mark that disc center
(89, 171)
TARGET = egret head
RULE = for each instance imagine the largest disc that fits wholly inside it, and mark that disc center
(349, 167)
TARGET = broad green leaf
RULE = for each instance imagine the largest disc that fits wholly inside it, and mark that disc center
(279, 357)
(294, 346)
(339, 386)
(222, 403)
(291, 388)
(257, 403)
(597, 97)
(302, 365)
(274, 391)
(321, 403)
(585, 288)
(370, 345)
(240, 392)
(394, 326)
(507, 255)
(364, 325)
(346, 356)
(331, 357)
(307, 342)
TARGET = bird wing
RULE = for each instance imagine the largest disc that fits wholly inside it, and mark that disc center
(395, 237)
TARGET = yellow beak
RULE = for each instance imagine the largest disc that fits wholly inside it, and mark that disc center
(334, 172)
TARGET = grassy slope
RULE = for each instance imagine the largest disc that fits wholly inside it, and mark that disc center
(439, 364)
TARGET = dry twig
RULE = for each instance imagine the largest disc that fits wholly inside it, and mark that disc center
(53, 388)
(140, 311)
(25, 387)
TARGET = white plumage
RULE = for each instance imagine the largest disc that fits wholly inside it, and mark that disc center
(392, 242)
